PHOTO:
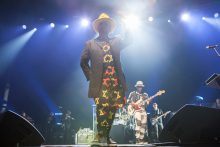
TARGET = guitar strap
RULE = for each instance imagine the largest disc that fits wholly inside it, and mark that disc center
(158, 112)
(137, 96)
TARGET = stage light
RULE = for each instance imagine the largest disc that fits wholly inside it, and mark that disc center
(84, 22)
(199, 98)
(35, 29)
(213, 21)
(216, 15)
(52, 25)
(203, 18)
(169, 20)
(24, 27)
(11, 49)
(185, 17)
(131, 22)
(150, 18)
(58, 113)
(66, 26)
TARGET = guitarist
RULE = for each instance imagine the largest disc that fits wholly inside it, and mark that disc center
(158, 126)
(139, 115)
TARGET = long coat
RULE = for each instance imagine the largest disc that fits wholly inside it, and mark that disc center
(93, 72)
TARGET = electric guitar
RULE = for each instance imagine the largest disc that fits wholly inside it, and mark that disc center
(155, 120)
(137, 105)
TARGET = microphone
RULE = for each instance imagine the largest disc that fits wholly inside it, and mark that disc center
(212, 46)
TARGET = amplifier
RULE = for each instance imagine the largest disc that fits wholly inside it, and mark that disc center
(84, 136)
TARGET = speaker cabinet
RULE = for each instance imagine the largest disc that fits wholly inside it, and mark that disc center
(193, 124)
(17, 131)
(118, 133)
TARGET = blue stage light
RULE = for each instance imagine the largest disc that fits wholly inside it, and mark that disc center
(24, 27)
(52, 25)
(216, 15)
(199, 98)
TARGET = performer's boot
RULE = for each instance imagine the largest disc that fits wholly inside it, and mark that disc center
(139, 141)
(102, 137)
(99, 138)
(110, 140)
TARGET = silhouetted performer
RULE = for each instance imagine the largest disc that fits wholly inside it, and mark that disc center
(50, 129)
(68, 128)
(158, 125)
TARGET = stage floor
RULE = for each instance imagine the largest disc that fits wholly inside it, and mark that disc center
(118, 145)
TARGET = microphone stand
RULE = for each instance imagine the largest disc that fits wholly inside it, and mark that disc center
(215, 48)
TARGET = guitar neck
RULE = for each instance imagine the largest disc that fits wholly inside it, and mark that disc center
(163, 115)
(151, 98)
(160, 116)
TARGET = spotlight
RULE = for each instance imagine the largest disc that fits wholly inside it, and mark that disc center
(169, 20)
(185, 17)
(66, 26)
(52, 25)
(84, 22)
(203, 18)
(131, 22)
(216, 15)
(150, 18)
(199, 98)
(35, 29)
(24, 27)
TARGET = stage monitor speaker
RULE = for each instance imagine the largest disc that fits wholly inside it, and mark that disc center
(213, 81)
(117, 133)
(17, 131)
(193, 124)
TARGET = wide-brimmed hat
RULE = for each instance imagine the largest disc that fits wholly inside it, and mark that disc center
(103, 17)
(139, 84)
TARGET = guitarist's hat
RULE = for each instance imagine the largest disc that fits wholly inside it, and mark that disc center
(139, 84)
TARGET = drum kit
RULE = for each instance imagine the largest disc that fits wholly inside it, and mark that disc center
(123, 118)
(120, 119)
(126, 122)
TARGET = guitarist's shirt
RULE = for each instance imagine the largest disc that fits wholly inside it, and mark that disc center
(134, 96)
